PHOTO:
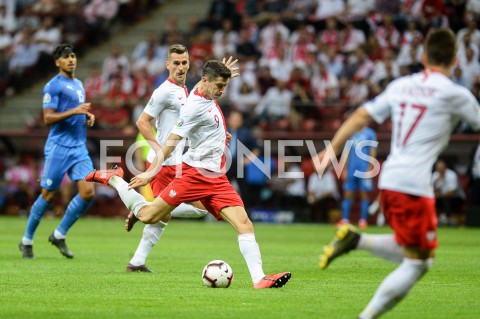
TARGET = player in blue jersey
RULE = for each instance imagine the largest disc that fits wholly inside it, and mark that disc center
(353, 182)
(67, 114)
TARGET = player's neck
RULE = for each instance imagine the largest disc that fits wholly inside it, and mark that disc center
(172, 80)
(69, 75)
(437, 69)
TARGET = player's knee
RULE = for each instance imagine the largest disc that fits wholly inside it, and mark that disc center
(48, 196)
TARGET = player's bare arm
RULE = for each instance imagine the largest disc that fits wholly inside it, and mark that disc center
(163, 153)
(50, 116)
(145, 128)
(352, 125)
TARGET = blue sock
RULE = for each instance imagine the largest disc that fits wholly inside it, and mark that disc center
(364, 208)
(36, 214)
(346, 207)
(75, 209)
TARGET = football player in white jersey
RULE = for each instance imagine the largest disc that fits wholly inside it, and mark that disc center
(203, 172)
(164, 107)
(424, 107)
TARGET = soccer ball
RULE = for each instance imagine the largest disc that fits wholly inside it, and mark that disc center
(217, 274)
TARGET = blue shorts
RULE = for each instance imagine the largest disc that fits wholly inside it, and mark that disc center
(352, 184)
(59, 160)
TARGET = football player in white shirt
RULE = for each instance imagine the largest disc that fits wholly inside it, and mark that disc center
(203, 172)
(424, 108)
(164, 107)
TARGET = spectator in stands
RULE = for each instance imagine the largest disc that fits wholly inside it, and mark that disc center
(470, 67)
(449, 195)
(142, 47)
(47, 37)
(279, 64)
(265, 79)
(246, 99)
(225, 40)
(351, 38)
(387, 34)
(275, 104)
(246, 49)
(150, 62)
(21, 178)
(473, 8)
(385, 69)
(99, 15)
(6, 41)
(333, 62)
(273, 34)
(325, 86)
(323, 195)
(74, 27)
(25, 56)
(94, 84)
(330, 37)
(7, 16)
(327, 8)
(201, 49)
(220, 10)
(171, 29)
(115, 60)
(289, 186)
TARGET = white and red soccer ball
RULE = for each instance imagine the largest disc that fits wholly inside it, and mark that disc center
(217, 274)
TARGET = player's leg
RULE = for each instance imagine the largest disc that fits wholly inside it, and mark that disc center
(347, 203)
(413, 219)
(238, 218)
(399, 282)
(82, 165)
(366, 186)
(75, 209)
(190, 210)
(51, 179)
(37, 211)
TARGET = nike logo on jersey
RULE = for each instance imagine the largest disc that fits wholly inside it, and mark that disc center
(181, 97)
(210, 110)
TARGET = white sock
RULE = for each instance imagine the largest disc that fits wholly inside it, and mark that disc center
(151, 235)
(188, 211)
(396, 286)
(133, 200)
(27, 241)
(383, 246)
(58, 235)
(251, 252)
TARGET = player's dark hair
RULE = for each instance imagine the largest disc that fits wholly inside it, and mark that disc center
(213, 69)
(59, 50)
(177, 48)
(441, 47)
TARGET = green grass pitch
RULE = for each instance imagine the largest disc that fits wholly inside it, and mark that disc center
(95, 285)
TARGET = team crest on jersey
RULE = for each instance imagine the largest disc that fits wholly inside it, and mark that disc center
(179, 122)
(47, 98)
(172, 193)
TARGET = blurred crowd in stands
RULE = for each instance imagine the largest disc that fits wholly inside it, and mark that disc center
(304, 64)
(30, 29)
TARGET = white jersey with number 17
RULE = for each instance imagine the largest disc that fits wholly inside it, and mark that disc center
(424, 108)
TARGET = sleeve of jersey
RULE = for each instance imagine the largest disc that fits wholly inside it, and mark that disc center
(379, 108)
(189, 117)
(157, 103)
(469, 110)
(50, 97)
